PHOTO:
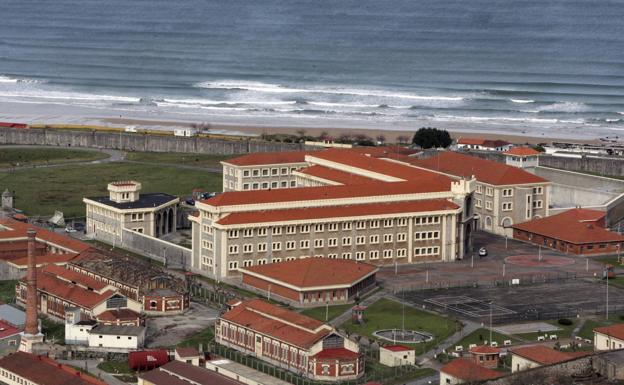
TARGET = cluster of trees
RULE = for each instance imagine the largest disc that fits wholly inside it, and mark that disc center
(429, 137)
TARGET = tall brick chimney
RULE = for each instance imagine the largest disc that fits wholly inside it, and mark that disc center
(32, 325)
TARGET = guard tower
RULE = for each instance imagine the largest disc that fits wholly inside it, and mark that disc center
(7, 200)
(124, 191)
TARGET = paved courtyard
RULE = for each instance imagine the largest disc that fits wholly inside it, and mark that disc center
(170, 330)
(516, 261)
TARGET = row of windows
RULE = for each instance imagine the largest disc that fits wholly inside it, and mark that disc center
(256, 172)
(102, 211)
(321, 227)
(507, 192)
(267, 185)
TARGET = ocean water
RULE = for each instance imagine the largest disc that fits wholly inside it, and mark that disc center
(549, 68)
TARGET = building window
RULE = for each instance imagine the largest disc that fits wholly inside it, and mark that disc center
(265, 185)
(360, 225)
(233, 265)
(277, 231)
(262, 261)
(387, 253)
(207, 245)
(360, 240)
(507, 206)
(401, 222)
(319, 227)
(401, 237)
(332, 227)
(479, 189)
(248, 233)
(537, 204)
(305, 229)
(488, 205)
(332, 242)
(387, 238)
(276, 260)
(346, 226)
(291, 229)
(246, 173)
(262, 247)
(265, 172)
(346, 241)
(374, 224)
(346, 255)
(507, 192)
(401, 253)
(255, 186)
(360, 256)
(233, 249)
(318, 243)
(245, 186)
(247, 248)
(232, 234)
(304, 244)
(373, 254)
(478, 203)
(247, 263)
(274, 171)
(374, 239)
(388, 223)
(290, 245)
(284, 171)
(276, 246)
(538, 190)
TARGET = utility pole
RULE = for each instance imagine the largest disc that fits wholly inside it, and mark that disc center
(491, 323)
(607, 309)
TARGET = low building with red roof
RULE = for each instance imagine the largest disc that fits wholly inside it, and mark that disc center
(26, 368)
(311, 281)
(462, 370)
(289, 340)
(576, 231)
(397, 355)
(483, 144)
(609, 337)
(534, 356)
(522, 157)
(486, 355)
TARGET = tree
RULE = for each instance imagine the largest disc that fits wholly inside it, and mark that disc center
(402, 139)
(430, 137)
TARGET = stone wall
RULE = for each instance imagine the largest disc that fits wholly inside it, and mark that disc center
(168, 253)
(140, 142)
(568, 368)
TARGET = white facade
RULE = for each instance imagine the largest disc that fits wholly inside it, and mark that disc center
(522, 161)
(116, 341)
(519, 363)
(607, 342)
(447, 379)
(397, 358)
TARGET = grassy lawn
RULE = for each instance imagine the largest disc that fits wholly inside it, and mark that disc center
(387, 314)
(375, 371)
(333, 312)
(199, 160)
(41, 191)
(204, 337)
(115, 367)
(479, 336)
(7, 291)
(53, 330)
(11, 157)
(587, 330)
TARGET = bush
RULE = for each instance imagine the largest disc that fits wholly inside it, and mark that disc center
(428, 137)
(565, 321)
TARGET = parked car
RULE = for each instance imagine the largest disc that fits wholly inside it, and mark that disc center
(483, 252)
(70, 229)
(79, 226)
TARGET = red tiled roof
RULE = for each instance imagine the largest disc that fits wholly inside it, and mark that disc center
(522, 151)
(277, 322)
(187, 352)
(485, 171)
(260, 158)
(334, 175)
(169, 374)
(45, 259)
(314, 272)
(483, 142)
(485, 349)
(397, 348)
(379, 166)
(74, 276)
(43, 370)
(7, 330)
(10, 228)
(118, 314)
(336, 353)
(268, 216)
(467, 370)
(325, 192)
(616, 331)
(577, 226)
(72, 293)
(541, 354)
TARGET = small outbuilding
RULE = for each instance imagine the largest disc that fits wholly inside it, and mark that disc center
(397, 355)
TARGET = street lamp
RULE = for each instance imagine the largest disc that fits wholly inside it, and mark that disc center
(491, 302)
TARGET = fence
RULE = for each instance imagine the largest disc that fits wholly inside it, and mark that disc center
(374, 372)
(170, 254)
(201, 293)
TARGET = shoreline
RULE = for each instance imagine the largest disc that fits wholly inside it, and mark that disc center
(390, 134)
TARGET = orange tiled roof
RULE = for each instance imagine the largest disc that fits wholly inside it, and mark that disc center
(267, 216)
(43, 370)
(326, 192)
(337, 354)
(277, 322)
(10, 229)
(45, 259)
(314, 272)
(576, 226)
(118, 314)
(522, 151)
(187, 352)
(542, 355)
(468, 370)
(397, 348)
(75, 294)
(486, 171)
(334, 175)
(260, 158)
(483, 142)
(616, 331)
(74, 276)
(380, 166)
(485, 349)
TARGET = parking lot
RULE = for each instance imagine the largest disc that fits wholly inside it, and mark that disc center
(489, 269)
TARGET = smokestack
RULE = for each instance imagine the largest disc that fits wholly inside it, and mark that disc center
(32, 325)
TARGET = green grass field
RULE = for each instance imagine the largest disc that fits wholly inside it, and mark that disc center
(332, 312)
(387, 314)
(41, 191)
(115, 367)
(199, 160)
(204, 337)
(12, 157)
(481, 335)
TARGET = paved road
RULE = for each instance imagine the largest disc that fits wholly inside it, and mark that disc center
(92, 368)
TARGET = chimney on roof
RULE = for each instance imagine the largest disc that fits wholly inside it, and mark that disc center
(32, 326)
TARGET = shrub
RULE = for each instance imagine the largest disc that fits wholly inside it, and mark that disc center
(565, 321)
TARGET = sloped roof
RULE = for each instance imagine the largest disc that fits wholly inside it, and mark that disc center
(11, 229)
(522, 151)
(467, 370)
(397, 348)
(576, 226)
(314, 272)
(616, 331)
(483, 142)
(485, 349)
(277, 322)
(268, 216)
(43, 370)
(262, 158)
(486, 171)
(337, 353)
(335, 175)
(542, 354)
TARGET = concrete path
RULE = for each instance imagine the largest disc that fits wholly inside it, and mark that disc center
(93, 370)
